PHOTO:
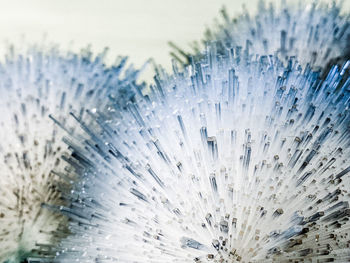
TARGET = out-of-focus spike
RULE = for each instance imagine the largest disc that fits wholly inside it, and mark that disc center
(35, 86)
(317, 34)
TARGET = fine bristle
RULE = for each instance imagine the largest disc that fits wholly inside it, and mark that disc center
(234, 159)
(38, 88)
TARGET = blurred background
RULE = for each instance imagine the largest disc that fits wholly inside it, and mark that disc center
(139, 29)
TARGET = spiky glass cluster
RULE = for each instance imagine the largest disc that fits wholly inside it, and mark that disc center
(316, 34)
(242, 156)
(232, 160)
(33, 85)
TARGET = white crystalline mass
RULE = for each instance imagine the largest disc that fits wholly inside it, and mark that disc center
(231, 160)
(34, 85)
(317, 34)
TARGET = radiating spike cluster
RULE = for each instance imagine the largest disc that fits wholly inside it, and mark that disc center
(234, 159)
(316, 34)
(34, 85)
